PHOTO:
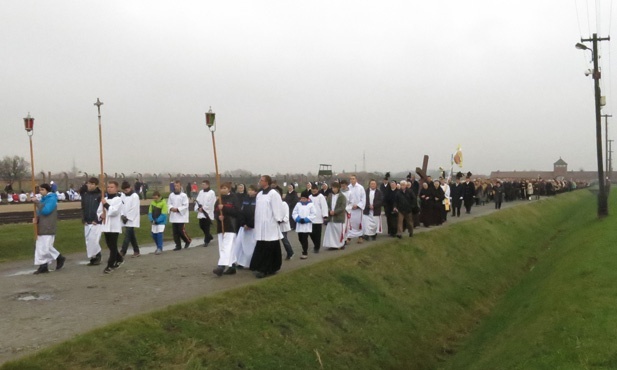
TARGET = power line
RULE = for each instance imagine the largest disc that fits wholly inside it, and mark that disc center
(598, 17)
(588, 20)
(578, 20)
(610, 18)
(610, 72)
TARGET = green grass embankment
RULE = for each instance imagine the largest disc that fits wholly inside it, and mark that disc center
(563, 314)
(398, 305)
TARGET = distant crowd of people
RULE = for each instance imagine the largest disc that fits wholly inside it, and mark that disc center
(10, 196)
(253, 221)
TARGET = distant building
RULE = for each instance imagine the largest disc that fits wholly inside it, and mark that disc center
(559, 172)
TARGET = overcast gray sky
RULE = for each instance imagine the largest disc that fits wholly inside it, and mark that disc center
(295, 84)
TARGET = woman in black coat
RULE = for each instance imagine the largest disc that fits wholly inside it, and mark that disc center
(426, 204)
(438, 206)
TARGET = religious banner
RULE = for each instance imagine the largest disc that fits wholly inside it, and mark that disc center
(458, 157)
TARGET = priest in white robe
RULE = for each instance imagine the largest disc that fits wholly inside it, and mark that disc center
(357, 199)
(267, 258)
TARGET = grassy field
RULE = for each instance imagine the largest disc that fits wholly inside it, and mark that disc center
(17, 240)
(526, 288)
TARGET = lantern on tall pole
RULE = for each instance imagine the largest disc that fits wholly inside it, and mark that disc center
(211, 123)
(101, 176)
(29, 126)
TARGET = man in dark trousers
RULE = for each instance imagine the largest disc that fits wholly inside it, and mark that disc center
(90, 201)
(469, 191)
(404, 202)
(456, 193)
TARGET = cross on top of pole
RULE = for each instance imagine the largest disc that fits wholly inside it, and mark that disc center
(98, 104)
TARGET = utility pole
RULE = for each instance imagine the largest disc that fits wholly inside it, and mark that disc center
(606, 116)
(602, 196)
(610, 159)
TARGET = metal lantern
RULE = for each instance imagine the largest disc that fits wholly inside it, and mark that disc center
(210, 117)
(29, 123)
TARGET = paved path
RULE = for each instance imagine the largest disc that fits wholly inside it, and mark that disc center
(41, 310)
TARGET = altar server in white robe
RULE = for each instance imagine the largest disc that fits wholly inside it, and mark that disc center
(204, 206)
(334, 238)
(285, 228)
(178, 205)
(109, 212)
(357, 199)
(321, 210)
(304, 214)
(130, 217)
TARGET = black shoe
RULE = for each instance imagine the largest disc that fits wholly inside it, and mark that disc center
(43, 269)
(218, 271)
(118, 264)
(290, 256)
(108, 270)
(230, 271)
(261, 275)
(186, 245)
(315, 250)
(60, 262)
(177, 248)
(96, 260)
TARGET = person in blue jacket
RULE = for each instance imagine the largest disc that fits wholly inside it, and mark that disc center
(46, 220)
(157, 214)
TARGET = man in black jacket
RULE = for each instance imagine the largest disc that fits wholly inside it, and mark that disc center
(90, 201)
(469, 192)
(456, 193)
(404, 203)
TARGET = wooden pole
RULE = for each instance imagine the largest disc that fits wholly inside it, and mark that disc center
(101, 176)
(602, 195)
(36, 226)
(218, 179)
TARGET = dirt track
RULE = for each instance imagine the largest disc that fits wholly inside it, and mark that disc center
(41, 310)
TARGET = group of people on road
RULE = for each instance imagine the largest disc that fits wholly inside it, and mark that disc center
(252, 222)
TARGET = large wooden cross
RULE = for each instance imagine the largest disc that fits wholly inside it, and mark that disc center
(422, 171)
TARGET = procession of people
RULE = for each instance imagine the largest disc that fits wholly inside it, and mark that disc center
(253, 222)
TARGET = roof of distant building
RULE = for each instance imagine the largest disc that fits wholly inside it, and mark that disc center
(561, 162)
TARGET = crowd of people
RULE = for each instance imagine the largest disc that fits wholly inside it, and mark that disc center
(10, 196)
(252, 221)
